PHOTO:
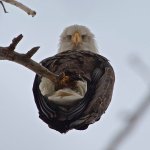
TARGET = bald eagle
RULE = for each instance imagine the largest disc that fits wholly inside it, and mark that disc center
(85, 85)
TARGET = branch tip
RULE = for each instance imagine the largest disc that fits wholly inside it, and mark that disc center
(31, 52)
(15, 42)
(33, 13)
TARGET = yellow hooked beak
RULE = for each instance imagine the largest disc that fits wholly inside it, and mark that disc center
(76, 39)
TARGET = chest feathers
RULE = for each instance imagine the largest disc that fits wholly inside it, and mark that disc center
(64, 96)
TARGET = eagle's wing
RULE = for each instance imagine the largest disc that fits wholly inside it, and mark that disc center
(98, 73)
(100, 101)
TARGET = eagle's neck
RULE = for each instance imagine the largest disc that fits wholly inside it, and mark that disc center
(91, 46)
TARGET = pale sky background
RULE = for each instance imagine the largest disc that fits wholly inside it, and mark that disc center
(121, 28)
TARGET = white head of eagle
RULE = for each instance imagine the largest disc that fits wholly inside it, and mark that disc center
(77, 37)
(84, 87)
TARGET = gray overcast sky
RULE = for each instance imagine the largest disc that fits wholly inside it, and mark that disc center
(121, 28)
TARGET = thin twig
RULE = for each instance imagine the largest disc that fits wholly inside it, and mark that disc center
(8, 53)
(3, 7)
(21, 6)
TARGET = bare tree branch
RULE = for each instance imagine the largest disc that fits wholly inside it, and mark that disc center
(3, 7)
(144, 72)
(21, 6)
(8, 53)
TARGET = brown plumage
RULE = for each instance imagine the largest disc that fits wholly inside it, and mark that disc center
(98, 73)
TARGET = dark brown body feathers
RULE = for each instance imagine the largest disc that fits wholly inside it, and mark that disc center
(80, 65)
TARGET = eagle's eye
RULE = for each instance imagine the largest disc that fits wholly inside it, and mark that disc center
(69, 37)
(84, 37)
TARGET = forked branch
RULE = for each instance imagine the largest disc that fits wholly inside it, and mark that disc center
(8, 53)
(19, 5)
